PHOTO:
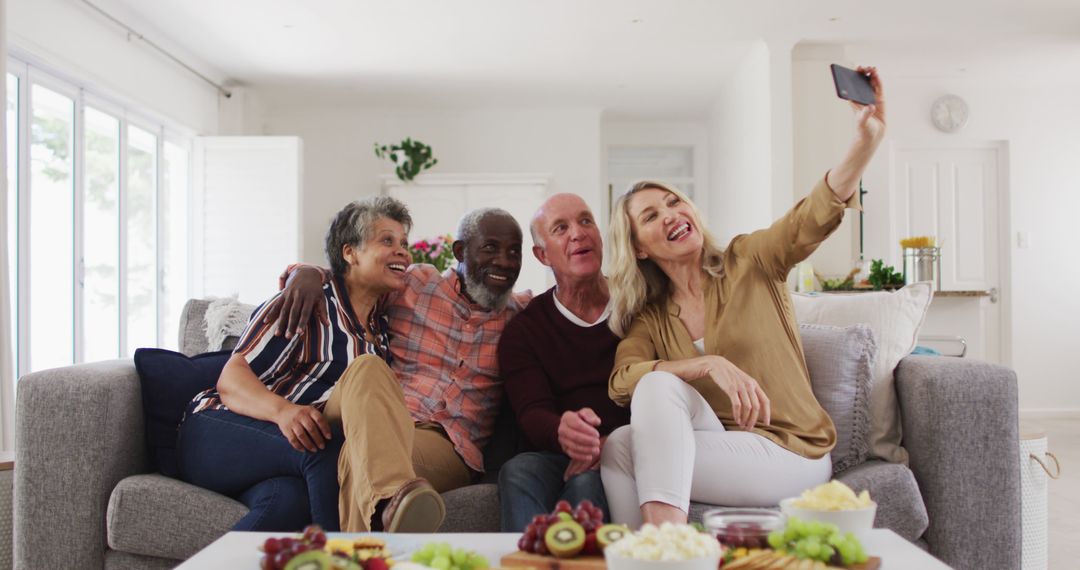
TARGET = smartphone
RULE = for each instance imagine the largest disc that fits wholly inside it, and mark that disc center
(852, 85)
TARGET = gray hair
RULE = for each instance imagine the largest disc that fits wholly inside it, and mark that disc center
(354, 225)
(469, 226)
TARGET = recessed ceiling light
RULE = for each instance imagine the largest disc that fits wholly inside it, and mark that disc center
(635, 21)
(834, 19)
(287, 26)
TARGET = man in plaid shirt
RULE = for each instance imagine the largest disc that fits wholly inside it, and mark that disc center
(444, 331)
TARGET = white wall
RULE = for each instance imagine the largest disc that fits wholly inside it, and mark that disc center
(93, 52)
(340, 165)
(1039, 123)
(740, 145)
(822, 128)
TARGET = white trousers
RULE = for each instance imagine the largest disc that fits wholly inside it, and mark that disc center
(676, 450)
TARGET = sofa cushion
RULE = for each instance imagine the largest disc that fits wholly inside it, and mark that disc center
(895, 319)
(169, 381)
(893, 487)
(193, 323)
(472, 509)
(840, 361)
(154, 515)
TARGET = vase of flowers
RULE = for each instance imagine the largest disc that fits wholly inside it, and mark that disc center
(438, 251)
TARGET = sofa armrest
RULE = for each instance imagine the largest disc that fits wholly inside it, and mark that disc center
(79, 431)
(960, 424)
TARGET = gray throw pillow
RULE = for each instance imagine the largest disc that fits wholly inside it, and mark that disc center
(840, 361)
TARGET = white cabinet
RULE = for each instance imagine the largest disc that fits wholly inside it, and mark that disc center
(437, 202)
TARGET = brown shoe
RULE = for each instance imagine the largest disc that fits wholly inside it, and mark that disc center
(415, 507)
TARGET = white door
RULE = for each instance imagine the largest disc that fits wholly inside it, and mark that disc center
(955, 194)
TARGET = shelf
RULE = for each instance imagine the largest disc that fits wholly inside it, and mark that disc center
(963, 293)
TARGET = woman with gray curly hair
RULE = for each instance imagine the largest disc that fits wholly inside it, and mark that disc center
(710, 360)
(270, 432)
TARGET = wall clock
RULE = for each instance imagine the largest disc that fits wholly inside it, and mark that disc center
(949, 113)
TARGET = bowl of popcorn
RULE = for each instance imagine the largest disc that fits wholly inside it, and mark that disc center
(666, 547)
(834, 503)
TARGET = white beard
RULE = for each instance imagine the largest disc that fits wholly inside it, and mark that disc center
(484, 296)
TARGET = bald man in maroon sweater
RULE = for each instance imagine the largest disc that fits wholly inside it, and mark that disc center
(555, 357)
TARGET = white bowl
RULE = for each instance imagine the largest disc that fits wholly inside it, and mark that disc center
(856, 521)
(621, 563)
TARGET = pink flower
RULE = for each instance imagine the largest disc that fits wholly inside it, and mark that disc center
(422, 244)
(434, 255)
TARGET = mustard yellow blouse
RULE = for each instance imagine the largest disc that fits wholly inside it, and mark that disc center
(752, 324)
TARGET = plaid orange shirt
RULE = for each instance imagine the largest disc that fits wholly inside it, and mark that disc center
(444, 351)
(444, 355)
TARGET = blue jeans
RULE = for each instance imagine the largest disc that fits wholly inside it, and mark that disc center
(251, 461)
(531, 483)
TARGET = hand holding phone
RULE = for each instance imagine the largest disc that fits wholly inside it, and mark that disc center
(852, 85)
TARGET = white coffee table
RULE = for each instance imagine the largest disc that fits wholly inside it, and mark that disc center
(239, 550)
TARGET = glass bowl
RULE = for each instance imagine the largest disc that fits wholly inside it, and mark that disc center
(743, 527)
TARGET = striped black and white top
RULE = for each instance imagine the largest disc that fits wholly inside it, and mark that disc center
(305, 368)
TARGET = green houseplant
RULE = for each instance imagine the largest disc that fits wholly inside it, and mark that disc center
(409, 157)
(884, 276)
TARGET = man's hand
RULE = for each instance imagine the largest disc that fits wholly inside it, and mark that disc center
(304, 427)
(302, 296)
(578, 436)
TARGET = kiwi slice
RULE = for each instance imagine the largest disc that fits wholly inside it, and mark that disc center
(565, 538)
(610, 533)
(310, 560)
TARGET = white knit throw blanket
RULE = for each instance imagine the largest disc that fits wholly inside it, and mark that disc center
(225, 317)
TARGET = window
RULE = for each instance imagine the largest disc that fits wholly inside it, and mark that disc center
(97, 226)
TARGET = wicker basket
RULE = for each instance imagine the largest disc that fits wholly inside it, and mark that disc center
(1037, 466)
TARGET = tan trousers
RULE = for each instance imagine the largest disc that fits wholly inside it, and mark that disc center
(383, 447)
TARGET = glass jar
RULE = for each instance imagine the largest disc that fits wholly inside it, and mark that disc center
(743, 527)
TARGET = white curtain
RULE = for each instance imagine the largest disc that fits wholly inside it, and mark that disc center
(7, 372)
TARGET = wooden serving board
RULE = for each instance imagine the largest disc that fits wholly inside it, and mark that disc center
(873, 563)
(521, 559)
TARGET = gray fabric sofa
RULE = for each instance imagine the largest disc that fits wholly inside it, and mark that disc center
(84, 498)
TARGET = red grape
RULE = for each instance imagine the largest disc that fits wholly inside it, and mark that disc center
(282, 558)
(524, 543)
(272, 545)
(311, 530)
(539, 519)
(539, 547)
(590, 544)
(563, 507)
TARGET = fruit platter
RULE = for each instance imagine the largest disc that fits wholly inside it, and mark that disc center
(575, 538)
(314, 551)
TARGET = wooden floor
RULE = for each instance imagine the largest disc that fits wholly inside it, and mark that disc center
(1063, 500)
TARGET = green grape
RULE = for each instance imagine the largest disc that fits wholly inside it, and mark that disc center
(459, 556)
(440, 562)
(776, 540)
(478, 562)
(819, 541)
(442, 549)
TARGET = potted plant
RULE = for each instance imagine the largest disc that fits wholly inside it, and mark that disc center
(409, 157)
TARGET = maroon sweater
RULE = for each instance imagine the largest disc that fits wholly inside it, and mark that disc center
(550, 365)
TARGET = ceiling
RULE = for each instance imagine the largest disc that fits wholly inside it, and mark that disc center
(645, 59)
